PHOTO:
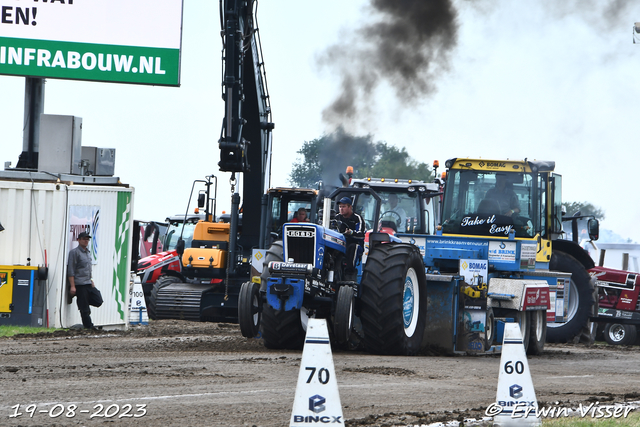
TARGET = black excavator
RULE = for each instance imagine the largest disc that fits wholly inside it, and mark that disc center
(219, 258)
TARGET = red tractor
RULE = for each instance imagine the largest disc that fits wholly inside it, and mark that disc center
(151, 267)
(619, 311)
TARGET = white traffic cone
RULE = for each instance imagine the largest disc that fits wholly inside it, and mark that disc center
(317, 400)
(516, 403)
(137, 306)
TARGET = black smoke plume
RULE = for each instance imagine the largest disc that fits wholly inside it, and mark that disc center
(407, 48)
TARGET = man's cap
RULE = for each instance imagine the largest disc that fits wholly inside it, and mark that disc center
(83, 235)
(345, 200)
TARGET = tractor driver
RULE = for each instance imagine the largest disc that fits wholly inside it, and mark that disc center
(505, 196)
(401, 217)
(352, 226)
(301, 216)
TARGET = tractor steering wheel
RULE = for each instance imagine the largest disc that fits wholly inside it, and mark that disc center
(393, 214)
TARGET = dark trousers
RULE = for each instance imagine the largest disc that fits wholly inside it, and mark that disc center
(354, 253)
(82, 299)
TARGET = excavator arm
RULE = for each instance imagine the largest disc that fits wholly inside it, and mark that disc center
(245, 139)
(247, 117)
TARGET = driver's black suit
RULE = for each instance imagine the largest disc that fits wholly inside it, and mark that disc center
(353, 229)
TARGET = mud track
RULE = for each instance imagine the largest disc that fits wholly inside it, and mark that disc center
(207, 374)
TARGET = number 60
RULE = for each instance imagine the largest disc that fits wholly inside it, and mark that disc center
(518, 367)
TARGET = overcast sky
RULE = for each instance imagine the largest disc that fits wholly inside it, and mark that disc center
(525, 79)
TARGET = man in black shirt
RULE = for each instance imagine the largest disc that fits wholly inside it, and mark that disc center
(352, 226)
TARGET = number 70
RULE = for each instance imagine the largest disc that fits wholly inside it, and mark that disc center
(323, 374)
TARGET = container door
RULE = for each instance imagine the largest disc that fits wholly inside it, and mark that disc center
(6, 291)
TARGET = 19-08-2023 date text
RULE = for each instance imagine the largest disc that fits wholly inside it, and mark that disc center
(72, 410)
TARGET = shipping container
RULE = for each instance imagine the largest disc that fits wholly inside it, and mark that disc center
(41, 222)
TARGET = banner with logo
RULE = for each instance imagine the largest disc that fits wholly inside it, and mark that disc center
(85, 219)
(102, 40)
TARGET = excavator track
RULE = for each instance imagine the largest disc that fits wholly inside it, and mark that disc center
(197, 302)
(180, 301)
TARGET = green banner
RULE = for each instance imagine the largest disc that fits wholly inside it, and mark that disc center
(84, 61)
(121, 255)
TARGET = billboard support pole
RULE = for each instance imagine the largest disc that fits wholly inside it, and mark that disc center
(33, 108)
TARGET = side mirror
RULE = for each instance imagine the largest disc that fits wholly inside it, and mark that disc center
(201, 200)
(594, 229)
(180, 247)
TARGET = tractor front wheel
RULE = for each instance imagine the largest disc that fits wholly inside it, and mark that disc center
(249, 309)
(343, 318)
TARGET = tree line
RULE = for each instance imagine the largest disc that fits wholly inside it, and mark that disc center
(324, 158)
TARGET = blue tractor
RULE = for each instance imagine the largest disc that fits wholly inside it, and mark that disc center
(381, 306)
(305, 275)
(498, 254)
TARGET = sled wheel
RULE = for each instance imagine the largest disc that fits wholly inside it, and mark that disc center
(162, 282)
(522, 317)
(581, 300)
(394, 300)
(343, 318)
(619, 334)
(537, 331)
(249, 309)
(489, 329)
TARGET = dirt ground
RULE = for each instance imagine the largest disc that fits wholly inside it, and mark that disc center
(176, 373)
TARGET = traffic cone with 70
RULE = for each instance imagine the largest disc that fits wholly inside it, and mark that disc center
(317, 400)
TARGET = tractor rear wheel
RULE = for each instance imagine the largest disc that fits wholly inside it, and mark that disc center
(581, 299)
(537, 331)
(280, 329)
(619, 334)
(393, 305)
(343, 318)
(249, 309)
(162, 282)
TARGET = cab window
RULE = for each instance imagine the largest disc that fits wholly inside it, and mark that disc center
(399, 211)
(490, 203)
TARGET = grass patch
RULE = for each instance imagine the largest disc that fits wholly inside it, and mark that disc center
(632, 420)
(9, 331)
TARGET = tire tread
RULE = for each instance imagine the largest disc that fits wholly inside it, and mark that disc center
(381, 302)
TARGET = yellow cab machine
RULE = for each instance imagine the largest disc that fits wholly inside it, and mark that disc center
(502, 228)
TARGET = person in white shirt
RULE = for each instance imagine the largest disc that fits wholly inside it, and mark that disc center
(401, 218)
